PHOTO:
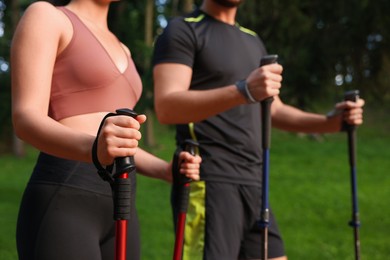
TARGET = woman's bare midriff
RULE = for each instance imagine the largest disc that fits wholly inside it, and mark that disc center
(87, 123)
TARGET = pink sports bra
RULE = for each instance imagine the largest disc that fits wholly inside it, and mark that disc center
(86, 80)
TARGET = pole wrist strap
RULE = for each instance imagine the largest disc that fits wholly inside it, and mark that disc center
(104, 173)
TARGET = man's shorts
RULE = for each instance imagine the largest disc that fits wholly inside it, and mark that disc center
(223, 223)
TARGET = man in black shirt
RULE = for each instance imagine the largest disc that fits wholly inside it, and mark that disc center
(208, 82)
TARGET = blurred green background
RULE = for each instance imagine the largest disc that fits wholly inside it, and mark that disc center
(310, 194)
(326, 48)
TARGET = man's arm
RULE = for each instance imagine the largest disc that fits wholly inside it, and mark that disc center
(175, 103)
(292, 119)
(155, 167)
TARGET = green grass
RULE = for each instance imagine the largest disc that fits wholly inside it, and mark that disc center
(309, 192)
(13, 177)
(311, 196)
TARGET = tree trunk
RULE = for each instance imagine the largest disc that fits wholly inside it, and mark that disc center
(188, 6)
(18, 148)
(149, 18)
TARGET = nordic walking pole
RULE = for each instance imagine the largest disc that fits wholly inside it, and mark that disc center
(122, 196)
(353, 95)
(184, 186)
(266, 140)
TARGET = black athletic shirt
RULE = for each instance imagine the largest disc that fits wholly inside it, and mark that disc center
(219, 54)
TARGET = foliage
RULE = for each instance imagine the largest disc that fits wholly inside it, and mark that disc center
(319, 40)
(5, 89)
(128, 22)
(326, 47)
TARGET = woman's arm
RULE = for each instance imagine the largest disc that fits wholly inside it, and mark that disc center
(152, 166)
(41, 34)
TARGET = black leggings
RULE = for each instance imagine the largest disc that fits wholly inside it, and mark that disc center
(65, 223)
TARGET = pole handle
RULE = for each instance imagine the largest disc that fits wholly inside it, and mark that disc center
(351, 95)
(268, 59)
(125, 164)
(266, 106)
(122, 183)
(189, 146)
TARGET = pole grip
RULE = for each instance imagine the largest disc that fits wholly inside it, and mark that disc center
(189, 146)
(125, 164)
(122, 183)
(352, 95)
(266, 106)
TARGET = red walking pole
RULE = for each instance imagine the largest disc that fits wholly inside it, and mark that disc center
(122, 206)
(121, 187)
(122, 196)
(121, 233)
(184, 186)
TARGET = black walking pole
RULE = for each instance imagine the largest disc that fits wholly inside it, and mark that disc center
(184, 190)
(266, 140)
(353, 95)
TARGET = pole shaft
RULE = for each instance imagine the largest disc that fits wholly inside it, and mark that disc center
(121, 233)
(357, 243)
(121, 239)
(179, 236)
(266, 134)
(355, 222)
(265, 239)
(353, 95)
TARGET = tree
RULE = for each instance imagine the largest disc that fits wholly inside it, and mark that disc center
(11, 19)
(325, 47)
(135, 24)
(149, 25)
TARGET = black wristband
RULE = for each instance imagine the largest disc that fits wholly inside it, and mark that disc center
(243, 89)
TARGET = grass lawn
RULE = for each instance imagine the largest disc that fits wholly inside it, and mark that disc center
(309, 192)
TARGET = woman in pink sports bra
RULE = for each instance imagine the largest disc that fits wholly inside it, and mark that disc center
(68, 72)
